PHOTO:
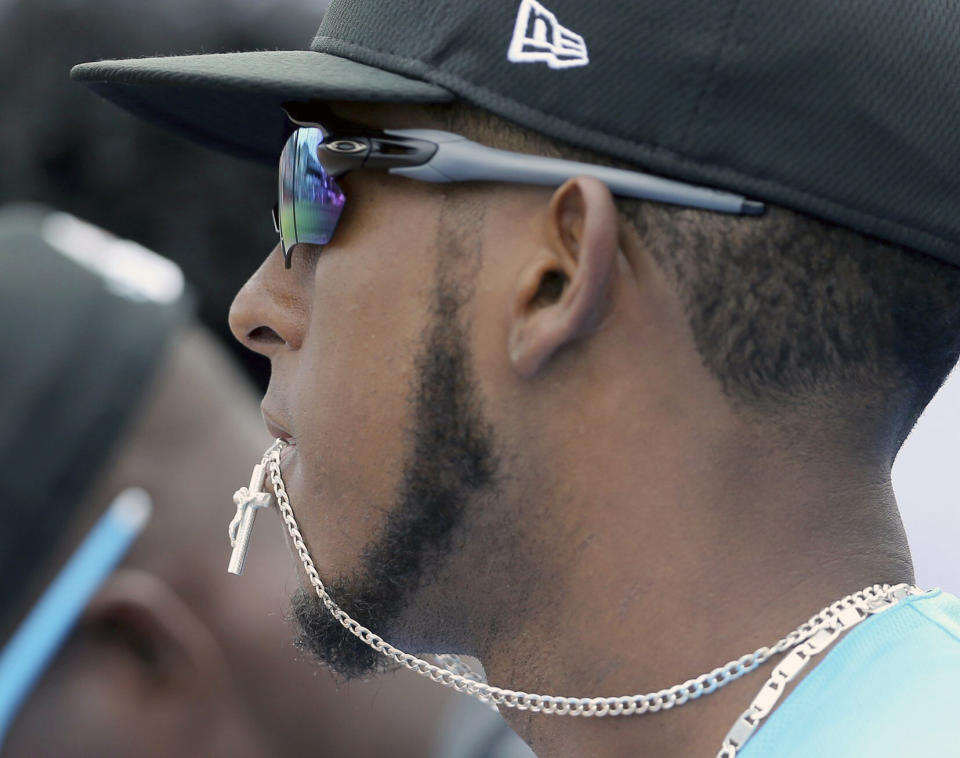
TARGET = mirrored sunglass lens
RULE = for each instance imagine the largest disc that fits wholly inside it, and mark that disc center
(310, 200)
(288, 178)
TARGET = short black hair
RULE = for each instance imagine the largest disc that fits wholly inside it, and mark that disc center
(786, 310)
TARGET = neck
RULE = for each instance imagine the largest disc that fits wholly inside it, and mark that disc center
(666, 581)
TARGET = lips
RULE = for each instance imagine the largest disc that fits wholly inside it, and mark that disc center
(276, 429)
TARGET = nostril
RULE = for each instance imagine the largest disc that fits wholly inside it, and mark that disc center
(264, 335)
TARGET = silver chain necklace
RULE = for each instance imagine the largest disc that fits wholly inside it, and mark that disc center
(805, 641)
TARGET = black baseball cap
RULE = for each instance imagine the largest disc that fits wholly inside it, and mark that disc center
(847, 111)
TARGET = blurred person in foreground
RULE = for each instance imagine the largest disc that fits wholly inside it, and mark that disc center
(595, 329)
(110, 385)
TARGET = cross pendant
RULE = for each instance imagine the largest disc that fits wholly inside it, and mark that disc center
(248, 500)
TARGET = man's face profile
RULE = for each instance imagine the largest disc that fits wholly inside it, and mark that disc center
(411, 357)
(391, 448)
(449, 468)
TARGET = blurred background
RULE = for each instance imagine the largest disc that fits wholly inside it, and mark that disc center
(64, 147)
(926, 478)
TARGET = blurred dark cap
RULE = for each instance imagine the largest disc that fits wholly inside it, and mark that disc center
(86, 320)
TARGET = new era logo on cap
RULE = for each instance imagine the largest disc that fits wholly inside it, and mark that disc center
(539, 38)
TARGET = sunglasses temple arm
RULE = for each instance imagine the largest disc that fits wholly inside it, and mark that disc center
(458, 160)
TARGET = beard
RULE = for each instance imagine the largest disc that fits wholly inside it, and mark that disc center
(450, 464)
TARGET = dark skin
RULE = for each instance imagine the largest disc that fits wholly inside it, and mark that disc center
(647, 530)
(176, 657)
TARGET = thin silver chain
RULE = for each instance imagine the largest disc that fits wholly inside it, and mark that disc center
(472, 683)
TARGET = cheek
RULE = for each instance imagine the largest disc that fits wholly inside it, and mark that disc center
(353, 381)
(83, 708)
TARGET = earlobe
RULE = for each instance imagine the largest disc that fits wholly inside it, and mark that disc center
(563, 295)
(173, 648)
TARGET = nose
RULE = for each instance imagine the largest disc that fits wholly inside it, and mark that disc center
(270, 311)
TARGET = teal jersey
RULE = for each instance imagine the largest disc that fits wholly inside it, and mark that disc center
(890, 688)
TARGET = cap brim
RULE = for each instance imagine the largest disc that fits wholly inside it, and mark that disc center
(233, 101)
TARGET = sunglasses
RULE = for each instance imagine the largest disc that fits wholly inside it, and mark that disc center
(311, 202)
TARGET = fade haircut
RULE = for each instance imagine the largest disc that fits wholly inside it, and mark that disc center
(788, 311)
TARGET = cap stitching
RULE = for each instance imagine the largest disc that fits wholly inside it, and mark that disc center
(709, 83)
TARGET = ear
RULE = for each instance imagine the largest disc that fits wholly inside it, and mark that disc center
(563, 295)
(173, 651)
